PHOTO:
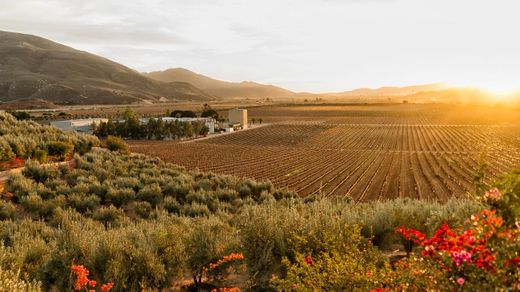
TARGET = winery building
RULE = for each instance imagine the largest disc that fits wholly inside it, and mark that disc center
(238, 116)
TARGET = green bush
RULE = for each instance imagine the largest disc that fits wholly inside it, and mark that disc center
(151, 194)
(357, 269)
(117, 144)
(207, 241)
(7, 210)
(39, 173)
(109, 215)
(143, 209)
(40, 156)
(171, 205)
(6, 153)
(120, 196)
(60, 149)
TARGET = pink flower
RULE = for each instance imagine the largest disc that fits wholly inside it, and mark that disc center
(493, 194)
(460, 281)
(461, 257)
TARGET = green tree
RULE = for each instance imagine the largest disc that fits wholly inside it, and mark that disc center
(208, 112)
(188, 130)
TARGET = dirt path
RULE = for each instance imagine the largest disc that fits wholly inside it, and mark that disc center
(4, 175)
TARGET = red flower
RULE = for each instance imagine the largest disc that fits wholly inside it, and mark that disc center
(309, 261)
(514, 261)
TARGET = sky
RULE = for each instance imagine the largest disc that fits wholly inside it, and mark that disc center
(302, 45)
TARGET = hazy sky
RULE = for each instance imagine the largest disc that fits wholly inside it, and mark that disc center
(304, 45)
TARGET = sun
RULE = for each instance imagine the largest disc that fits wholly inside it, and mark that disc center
(501, 92)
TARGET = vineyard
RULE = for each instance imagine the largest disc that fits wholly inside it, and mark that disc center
(367, 152)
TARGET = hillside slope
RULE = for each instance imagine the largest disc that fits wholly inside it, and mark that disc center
(32, 67)
(221, 88)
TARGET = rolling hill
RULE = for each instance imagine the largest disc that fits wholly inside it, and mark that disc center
(390, 91)
(34, 68)
(245, 89)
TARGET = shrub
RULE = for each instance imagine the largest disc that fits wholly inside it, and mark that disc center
(10, 281)
(19, 186)
(6, 153)
(195, 210)
(143, 209)
(37, 206)
(207, 241)
(83, 202)
(40, 156)
(38, 173)
(481, 255)
(120, 196)
(226, 195)
(7, 210)
(117, 144)
(60, 149)
(109, 215)
(129, 257)
(245, 192)
(171, 205)
(151, 194)
(353, 270)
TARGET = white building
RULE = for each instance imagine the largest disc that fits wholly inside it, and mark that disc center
(80, 125)
(238, 116)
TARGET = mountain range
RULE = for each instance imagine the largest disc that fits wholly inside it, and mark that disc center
(36, 72)
(220, 88)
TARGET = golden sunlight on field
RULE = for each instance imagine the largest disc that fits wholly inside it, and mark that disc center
(366, 152)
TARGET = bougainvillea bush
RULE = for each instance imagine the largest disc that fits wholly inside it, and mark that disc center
(485, 254)
(482, 253)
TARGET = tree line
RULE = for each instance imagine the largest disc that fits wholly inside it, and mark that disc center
(129, 126)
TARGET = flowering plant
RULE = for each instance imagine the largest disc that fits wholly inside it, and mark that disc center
(486, 252)
(86, 284)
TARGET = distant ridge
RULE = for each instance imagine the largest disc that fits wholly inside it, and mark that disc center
(247, 89)
(32, 67)
(392, 90)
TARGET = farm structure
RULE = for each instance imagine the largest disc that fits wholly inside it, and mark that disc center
(366, 152)
(238, 116)
(79, 125)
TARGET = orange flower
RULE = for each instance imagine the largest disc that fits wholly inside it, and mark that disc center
(81, 276)
(226, 259)
(107, 287)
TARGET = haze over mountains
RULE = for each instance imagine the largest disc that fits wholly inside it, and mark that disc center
(220, 88)
(32, 67)
(38, 72)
